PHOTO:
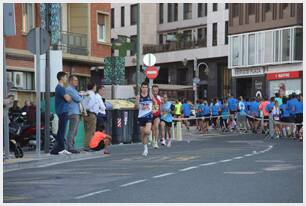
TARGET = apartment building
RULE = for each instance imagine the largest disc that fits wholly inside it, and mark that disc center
(84, 40)
(265, 48)
(177, 33)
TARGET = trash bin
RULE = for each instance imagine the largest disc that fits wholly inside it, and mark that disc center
(117, 127)
(136, 129)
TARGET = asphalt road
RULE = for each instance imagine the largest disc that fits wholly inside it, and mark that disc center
(235, 169)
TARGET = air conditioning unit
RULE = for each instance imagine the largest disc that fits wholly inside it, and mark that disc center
(18, 80)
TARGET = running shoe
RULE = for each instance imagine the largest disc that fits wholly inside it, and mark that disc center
(145, 153)
(164, 142)
(169, 143)
(156, 145)
(64, 152)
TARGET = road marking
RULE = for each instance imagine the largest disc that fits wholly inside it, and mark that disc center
(241, 173)
(228, 160)
(188, 168)
(91, 194)
(248, 155)
(210, 163)
(133, 183)
(163, 175)
(237, 158)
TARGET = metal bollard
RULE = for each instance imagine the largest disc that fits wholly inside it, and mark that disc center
(173, 136)
(271, 128)
(179, 131)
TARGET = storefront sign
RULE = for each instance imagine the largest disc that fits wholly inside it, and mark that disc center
(284, 75)
(247, 72)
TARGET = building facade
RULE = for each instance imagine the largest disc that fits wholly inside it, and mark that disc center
(84, 40)
(265, 48)
(177, 34)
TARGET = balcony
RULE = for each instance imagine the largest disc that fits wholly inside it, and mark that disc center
(174, 46)
(74, 43)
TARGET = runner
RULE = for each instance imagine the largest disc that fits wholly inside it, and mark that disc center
(186, 111)
(254, 113)
(166, 120)
(156, 116)
(144, 103)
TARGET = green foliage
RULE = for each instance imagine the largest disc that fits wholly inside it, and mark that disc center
(114, 70)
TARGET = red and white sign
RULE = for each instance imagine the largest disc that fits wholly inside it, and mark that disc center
(151, 72)
(284, 75)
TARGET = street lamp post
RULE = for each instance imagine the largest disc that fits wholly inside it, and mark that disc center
(138, 49)
(196, 68)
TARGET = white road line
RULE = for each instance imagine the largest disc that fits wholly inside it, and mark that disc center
(188, 168)
(228, 160)
(237, 158)
(91, 194)
(133, 183)
(210, 163)
(163, 175)
(248, 155)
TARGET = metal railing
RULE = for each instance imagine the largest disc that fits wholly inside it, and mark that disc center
(74, 43)
(174, 46)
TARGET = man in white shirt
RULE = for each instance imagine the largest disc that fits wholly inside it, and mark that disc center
(91, 105)
(101, 116)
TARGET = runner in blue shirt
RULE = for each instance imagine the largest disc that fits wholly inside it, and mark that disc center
(285, 114)
(254, 112)
(214, 109)
(232, 104)
(186, 111)
(224, 115)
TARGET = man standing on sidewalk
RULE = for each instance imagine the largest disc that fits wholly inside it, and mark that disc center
(61, 108)
(92, 107)
(101, 117)
(73, 113)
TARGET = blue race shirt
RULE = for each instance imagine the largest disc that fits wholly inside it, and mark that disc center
(299, 108)
(186, 109)
(214, 110)
(224, 112)
(269, 107)
(292, 103)
(166, 114)
(232, 104)
(61, 106)
(254, 107)
(284, 109)
(205, 110)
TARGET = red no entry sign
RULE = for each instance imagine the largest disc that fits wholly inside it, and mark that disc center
(151, 72)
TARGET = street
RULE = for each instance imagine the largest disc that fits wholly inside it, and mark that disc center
(231, 168)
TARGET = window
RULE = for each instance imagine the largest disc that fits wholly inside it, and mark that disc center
(122, 16)
(202, 36)
(187, 11)
(226, 33)
(133, 45)
(161, 13)
(235, 10)
(274, 11)
(226, 6)
(170, 37)
(22, 80)
(298, 44)
(133, 14)
(286, 45)
(202, 10)
(251, 9)
(259, 39)
(215, 40)
(161, 39)
(276, 45)
(172, 12)
(103, 28)
(187, 35)
(251, 49)
(268, 57)
(112, 18)
(292, 10)
(83, 81)
(267, 7)
(235, 52)
(215, 7)
(28, 18)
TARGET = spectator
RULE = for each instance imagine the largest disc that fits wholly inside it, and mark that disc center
(15, 108)
(26, 106)
(276, 117)
(100, 140)
(242, 114)
(74, 113)
(91, 104)
(101, 117)
(61, 108)
(278, 99)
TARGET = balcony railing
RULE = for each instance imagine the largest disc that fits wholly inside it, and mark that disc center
(174, 46)
(74, 43)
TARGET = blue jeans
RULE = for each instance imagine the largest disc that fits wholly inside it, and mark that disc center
(60, 137)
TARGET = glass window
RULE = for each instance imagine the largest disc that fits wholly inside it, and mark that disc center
(215, 7)
(226, 6)
(236, 48)
(268, 57)
(202, 10)
(267, 7)
(187, 35)
(259, 48)
(202, 36)
(251, 49)
(243, 50)
(112, 18)
(30, 81)
(215, 30)
(276, 46)
(235, 10)
(27, 17)
(298, 44)
(251, 9)
(161, 38)
(122, 16)
(83, 81)
(286, 45)
(101, 27)
(133, 14)
(133, 44)
(161, 13)
(187, 10)
(172, 12)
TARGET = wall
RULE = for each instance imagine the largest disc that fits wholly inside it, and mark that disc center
(78, 15)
